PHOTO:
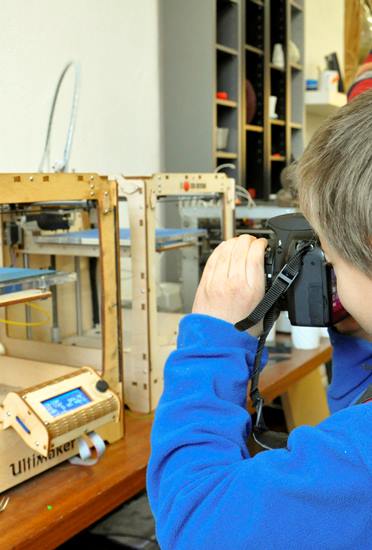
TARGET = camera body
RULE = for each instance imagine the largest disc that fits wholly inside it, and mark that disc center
(311, 300)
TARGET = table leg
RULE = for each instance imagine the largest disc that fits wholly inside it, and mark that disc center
(305, 402)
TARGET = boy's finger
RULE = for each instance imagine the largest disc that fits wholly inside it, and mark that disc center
(209, 266)
(255, 264)
(219, 261)
(239, 254)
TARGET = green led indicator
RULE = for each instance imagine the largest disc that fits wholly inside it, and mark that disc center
(49, 507)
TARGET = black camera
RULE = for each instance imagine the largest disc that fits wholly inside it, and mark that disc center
(311, 297)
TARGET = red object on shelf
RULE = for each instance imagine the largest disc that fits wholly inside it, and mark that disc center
(222, 95)
(252, 192)
(186, 186)
(276, 155)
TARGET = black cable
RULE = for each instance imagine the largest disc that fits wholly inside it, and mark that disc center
(94, 290)
(268, 311)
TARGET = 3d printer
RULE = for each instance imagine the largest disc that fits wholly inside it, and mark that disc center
(51, 398)
(149, 332)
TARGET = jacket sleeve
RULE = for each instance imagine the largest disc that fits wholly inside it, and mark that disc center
(204, 489)
(351, 369)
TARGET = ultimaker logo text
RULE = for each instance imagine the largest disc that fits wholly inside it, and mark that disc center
(26, 464)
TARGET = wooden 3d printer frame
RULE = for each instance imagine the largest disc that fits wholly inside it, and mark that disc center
(27, 362)
(144, 363)
(149, 335)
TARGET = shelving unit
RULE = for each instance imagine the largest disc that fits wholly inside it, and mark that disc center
(226, 155)
(324, 103)
(225, 49)
(276, 68)
(217, 46)
(253, 128)
(226, 103)
(277, 122)
(297, 6)
(296, 113)
(227, 68)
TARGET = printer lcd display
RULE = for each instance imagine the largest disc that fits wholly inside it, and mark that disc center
(66, 402)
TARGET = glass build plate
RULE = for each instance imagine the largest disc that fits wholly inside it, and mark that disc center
(91, 236)
(13, 279)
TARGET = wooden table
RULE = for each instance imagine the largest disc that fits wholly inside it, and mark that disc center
(54, 506)
(299, 382)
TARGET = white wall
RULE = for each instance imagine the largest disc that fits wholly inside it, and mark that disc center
(324, 33)
(116, 42)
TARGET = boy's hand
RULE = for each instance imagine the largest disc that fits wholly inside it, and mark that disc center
(233, 281)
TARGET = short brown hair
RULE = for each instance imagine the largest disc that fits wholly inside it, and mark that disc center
(334, 178)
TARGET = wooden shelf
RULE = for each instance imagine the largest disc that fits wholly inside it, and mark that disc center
(226, 49)
(276, 68)
(253, 49)
(226, 103)
(226, 155)
(280, 158)
(295, 5)
(238, 58)
(253, 128)
(323, 103)
(296, 66)
(277, 121)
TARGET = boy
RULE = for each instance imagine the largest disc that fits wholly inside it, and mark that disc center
(205, 490)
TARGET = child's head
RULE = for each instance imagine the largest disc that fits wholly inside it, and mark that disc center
(335, 189)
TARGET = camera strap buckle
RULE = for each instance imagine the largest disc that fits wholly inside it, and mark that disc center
(286, 276)
(268, 311)
(282, 282)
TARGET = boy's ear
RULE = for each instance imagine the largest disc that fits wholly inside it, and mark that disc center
(364, 68)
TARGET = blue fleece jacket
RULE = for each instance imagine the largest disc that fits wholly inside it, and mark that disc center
(207, 493)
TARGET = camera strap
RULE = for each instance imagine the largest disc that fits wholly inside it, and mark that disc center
(268, 311)
(282, 282)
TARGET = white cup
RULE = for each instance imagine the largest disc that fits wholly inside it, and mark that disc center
(278, 56)
(329, 81)
(222, 137)
(305, 337)
(272, 106)
(324, 332)
(283, 323)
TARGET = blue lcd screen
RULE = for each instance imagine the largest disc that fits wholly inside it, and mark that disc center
(66, 402)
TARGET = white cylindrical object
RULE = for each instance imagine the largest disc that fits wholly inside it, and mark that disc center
(222, 137)
(305, 337)
(271, 337)
(283, 324)
(278, 56)
(272, 106)
(324, 332)
(329, 81)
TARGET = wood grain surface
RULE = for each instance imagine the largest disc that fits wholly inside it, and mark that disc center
(79, 496)
(277, 378)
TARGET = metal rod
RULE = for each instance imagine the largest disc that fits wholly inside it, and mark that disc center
(26, 264)
(55, 327)
(78, 302)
